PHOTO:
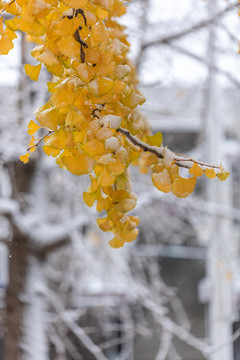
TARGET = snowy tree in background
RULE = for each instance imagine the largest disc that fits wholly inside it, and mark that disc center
(58, 240)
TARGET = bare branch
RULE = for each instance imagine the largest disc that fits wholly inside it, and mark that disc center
(177, 330)
(205, 61)
(42, 138)
(76, 329)
(201, 24)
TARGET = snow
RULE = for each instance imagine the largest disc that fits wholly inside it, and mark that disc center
(112, 120)
(112, 143)
(105, 159)
(168, 157)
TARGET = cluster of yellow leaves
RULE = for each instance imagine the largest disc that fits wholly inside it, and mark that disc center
(166, 175)
(93, 93)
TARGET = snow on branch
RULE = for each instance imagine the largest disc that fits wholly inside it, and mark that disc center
(161, 152)
(78, 331)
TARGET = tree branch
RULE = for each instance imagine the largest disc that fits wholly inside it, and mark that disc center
(179, 34)
(72, 326)
(205, 61)
(43, 137)
(180, 160)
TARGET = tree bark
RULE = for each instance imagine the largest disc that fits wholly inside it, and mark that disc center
(15, 301)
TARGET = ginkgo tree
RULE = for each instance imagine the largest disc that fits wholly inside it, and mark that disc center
(91, 122)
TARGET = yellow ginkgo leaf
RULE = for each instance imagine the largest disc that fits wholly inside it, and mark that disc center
(94, 183)
(122, 70)
(103, 204)
(67, 26)
(182, 187)
(78, 164)
(89, 198)
(129, 236)
(223, 175)
(13, 24)
(162, 181)
(94, 147)
(106, 179)
(6, 45)
(62, 98)
(11, 34)
(196, 170)
(32, 28)
(155, 139)
(118, 87)
(1, 26)
(116, 243)
(115, 167)
(24, 158)
(101, 13)
(33, 127)
(85, 72)
(11, 7)
(47, 57)
(69, 46)
(133, 99)
(100, 86)
(57, 140)
(210, 173)
(117, 47)
(74, 118)
(121, 182)
(40, 8)
(33, 71)
(49, 150)
(105, 224)
(48, 118)
(32, 142)
(75, 4)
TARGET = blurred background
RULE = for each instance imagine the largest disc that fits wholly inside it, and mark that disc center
(175, 292)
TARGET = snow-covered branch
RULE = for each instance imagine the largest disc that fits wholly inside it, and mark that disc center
(163, 151)
(72, 326)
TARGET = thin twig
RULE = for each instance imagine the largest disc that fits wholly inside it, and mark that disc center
(43, 137)
(201, 24)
